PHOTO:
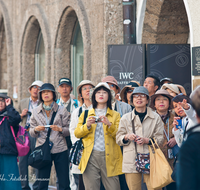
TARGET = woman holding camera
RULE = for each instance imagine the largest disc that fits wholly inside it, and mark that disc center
(9, 173)
(135, 131)
(102, 157)
(39, 126)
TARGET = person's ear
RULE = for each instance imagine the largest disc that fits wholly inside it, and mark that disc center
(155, 88)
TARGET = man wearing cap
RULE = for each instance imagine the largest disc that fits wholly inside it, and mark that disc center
(65, 88)
(83, 91)
(25, 108)
(166, 80)
(152, 84)
(120, 107)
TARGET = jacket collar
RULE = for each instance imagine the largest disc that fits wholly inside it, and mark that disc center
(149, 113)
(109, 112)
(40, 107)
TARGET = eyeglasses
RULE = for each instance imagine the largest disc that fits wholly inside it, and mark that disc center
(139, 95)
(111, 85)
(2, 100)
(36, 87)
(129, 90)
(84, 88)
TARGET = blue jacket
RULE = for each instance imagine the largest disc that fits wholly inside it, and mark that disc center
(7, 142)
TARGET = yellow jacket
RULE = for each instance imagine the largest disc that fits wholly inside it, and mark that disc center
(112, 150)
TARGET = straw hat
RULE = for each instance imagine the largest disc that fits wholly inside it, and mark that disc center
(158, 93)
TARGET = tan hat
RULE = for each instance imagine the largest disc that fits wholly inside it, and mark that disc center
(111, 80)
(158, 93)
(177, 88)
(106, 86)
(172, 87)
(82, 83)
(130, 85)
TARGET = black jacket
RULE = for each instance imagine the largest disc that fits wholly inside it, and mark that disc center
(7, 142)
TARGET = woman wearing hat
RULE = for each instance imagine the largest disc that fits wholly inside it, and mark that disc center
(83, 91)
(102, 157)
(127, 91)
(174, 89)
(147, 125)
(39, 126)
(8, 152)
(161, 101)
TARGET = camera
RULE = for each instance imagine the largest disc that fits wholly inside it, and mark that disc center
(97, 119)
(27, 126)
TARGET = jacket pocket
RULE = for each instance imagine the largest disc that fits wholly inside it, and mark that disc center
(128, 155)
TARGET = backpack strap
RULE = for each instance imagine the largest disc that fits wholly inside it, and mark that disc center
(76, 103)
(190, 131)
(80, 111)
(85, 116)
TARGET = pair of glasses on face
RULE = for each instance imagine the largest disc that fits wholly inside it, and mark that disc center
(139, 95)
(129, 90)
(2, 100)
(111, 85)
(84, 88)
(36, 87)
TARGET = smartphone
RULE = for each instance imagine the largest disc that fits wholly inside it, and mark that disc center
(179, 126)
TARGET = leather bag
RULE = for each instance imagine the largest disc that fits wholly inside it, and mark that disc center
(41, 155)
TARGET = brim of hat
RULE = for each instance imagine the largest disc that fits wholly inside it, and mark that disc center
(4, 96)
(182, 89)
(114, 84)
(153, 97)
(47, 89)
(64, 83)
(122, 93)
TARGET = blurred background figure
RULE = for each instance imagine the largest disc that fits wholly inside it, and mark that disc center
(174, 89)
(166, 80)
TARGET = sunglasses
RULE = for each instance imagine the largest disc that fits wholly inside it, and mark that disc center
(129, 90)
(139, 95)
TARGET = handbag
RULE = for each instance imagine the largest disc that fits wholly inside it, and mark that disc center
(160, 172)
(21, 141)
(77, 148)
(142, 161)
(41, 155)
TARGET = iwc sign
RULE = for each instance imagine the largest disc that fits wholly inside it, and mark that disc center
(126, 63)
(196, 61)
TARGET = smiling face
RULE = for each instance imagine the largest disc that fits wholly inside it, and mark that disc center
(161, 103)
(178, 109)
(140, 100)
(47, 96)
(101, 96)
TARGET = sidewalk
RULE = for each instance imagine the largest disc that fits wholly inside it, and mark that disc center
(50, 187)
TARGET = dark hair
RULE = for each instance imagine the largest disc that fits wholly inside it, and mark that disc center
(156, 80)
(195, 97)
(40, 96)
(94, 102)
(180, 97)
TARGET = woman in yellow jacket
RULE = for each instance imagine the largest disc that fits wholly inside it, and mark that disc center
(102, 157)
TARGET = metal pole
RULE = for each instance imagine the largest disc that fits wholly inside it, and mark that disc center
(129, 21)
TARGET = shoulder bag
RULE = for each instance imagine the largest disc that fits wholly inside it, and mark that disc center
(160, 172)
(77, 148)
(41, 155)
(142, 161)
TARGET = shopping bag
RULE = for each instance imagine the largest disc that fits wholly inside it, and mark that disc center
(160, 170)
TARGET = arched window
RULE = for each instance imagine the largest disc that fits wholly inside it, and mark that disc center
(40, 58)
(76, 57)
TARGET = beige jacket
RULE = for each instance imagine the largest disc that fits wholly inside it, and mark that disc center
(61, 119)
(152, 126)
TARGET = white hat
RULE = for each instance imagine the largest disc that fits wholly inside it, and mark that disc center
(37, 83)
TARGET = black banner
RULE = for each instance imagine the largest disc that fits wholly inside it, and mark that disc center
(170, 60)
(126, 63)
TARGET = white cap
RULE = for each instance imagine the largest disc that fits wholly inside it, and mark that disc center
(37, 83)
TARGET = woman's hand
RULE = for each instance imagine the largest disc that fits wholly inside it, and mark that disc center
(172, 142)
(8, 101)
(56, 128)
(142, 140)
(90, 121)
(39, 128)
(175, 122)
(130, 137)
(105, 120)
(184, 104)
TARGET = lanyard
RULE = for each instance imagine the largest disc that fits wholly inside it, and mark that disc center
(168, 130)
